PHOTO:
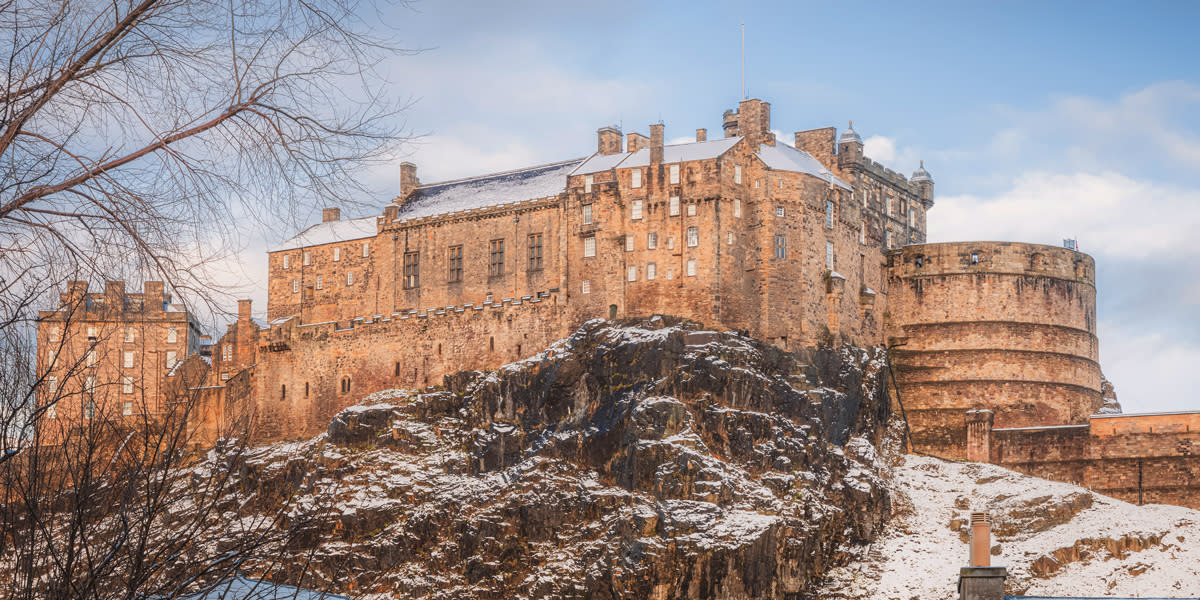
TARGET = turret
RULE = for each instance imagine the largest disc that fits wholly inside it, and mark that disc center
(924, 183)
(850, 147)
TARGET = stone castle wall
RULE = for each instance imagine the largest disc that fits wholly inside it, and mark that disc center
(1002, 326)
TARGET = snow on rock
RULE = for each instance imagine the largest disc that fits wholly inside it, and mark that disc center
(1055, 539)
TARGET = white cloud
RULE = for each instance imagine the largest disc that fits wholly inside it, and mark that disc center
(1149, 370)
(880, 148)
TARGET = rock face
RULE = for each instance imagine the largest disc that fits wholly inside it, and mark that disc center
(646, 459)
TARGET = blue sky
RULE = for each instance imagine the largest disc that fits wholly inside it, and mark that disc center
(1039, 121)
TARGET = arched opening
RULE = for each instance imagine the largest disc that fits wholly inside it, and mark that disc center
(346, 384)
(612, 311)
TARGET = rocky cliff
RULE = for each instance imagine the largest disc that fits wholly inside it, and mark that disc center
(646, 459)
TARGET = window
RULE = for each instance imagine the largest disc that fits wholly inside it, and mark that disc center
(129, 334)
(319, 282)
(910, 217)
(127, 385)
(51, 385)
(737, 173)
(974, 258)
(691, 210)
(779, 211)
(227, 352)
(629, 242)
(127, 409)
(128, 359)
(283, 391)
(172, 359)
(673, 209)
(346, 385)
(631, 273)
(729, 238)
(285, 260)
(586, 286)
(587, 184)
(307, 258)
(366, 249)
(589, 247)
(780, 246)
(674, 170)
(91, 358)
(337, 254)
(349, 278)
(691, 267)
(295, 286)
(829, 255)
(224, 376)
(635, 178)
(866, 204)
(51, 412)
(91, 331)
(172, 335)
(535, 252)
(651, 271)
(412, 270)
(887, 242)
(737, 208)
(55, 334)
(496, 262)
(454, 257)
(670, 242)
(51, 357)
(862, 232)
(637, 210)
(587, 214)
(651, 240)
(693, 236)
(889, 206)
(829, 214)
(89, 409)
(89, 384)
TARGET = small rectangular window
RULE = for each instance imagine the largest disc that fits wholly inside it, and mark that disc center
(691, 267)
(829, 255)
(366, 249)
(172, 335)
(670, 242)
(779, 211)
(637, 210)
(589, 247)
(172, 359)
(587, 214)
(651, 271)
(651, 240)
(729, 238)
(910, 217)
(974, 258)
(586, 286)
(320, 282)
(674, 170)
(91, 358)
(349, 278)
(673, 208)
(129, 334)
(888, 240)
(285, 261)
(587, 184)
(128, 359)
(829, 214)
(127, 386)
(337, 254)
(737, 174)
(629, 242)
(455, 257)
(307, 258)
(89, 384)
(737, 208)
(631, 273)
(91, 333)
(535, 252)
(691, 210)
(635, 178)
(127, 407)
(889, 205)
(53, 335)
(295, 286)
(862, 233)
(412, 270)
(693, 236)
(89, 409)
(780, 246)
(496, 258)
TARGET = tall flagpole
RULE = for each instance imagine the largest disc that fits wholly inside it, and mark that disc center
(743, 60)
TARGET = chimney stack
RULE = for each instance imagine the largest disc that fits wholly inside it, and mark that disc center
(636, 142)
(656, 144)
(754, 121)
(153, 297)
(408, 180)
(76, 292)
(979, 435)
(702, 135)
(608, 140)
(980, 580)
(331, 214)
(114, 295)
(243, 311)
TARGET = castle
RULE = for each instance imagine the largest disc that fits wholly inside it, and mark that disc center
(797, 244)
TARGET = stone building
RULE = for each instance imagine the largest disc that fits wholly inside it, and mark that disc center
(109, 355)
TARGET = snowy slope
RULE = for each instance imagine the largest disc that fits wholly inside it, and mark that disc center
(1056, 539)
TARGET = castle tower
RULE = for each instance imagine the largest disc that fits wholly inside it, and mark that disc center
(850, 147)
(924, 183)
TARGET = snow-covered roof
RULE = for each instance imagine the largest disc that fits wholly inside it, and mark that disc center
(488, 190)
(671, 154)
(330, 232)
(244, 588)
(783, 157)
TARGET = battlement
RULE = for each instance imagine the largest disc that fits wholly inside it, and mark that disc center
(998, 258)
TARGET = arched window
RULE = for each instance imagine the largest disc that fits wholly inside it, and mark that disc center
(346, 384)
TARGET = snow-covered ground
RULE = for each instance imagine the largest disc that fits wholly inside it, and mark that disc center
(1056, 539)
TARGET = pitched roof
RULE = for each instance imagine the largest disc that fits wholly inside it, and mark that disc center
(488, 190)
(330, 232)
(671, 154)
(243, 588)
(787, 158)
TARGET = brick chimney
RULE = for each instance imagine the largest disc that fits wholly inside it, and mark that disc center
(608, 140)
(114, 295)
(636, 141)
(754, 121)
(153, 296)
(980, 580)
(979, 435)
(76, 292)
(656, 144)
(702, 135)
(331, 214)
(408, 180)
(243, 311)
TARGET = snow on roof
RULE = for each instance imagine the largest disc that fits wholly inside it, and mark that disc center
(786, 158)
(488, 190)
(600, 162)
(330, 232)
(244, 588)
(671, 154)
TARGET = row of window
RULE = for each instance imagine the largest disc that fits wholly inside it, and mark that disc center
(635, 180)
(89, 385)
(320, 282)
(344, 385)
(93, 334)
(337, 255)
(454, 261)
(127, 358)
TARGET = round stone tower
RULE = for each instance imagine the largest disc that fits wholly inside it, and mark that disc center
(1003, 326)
